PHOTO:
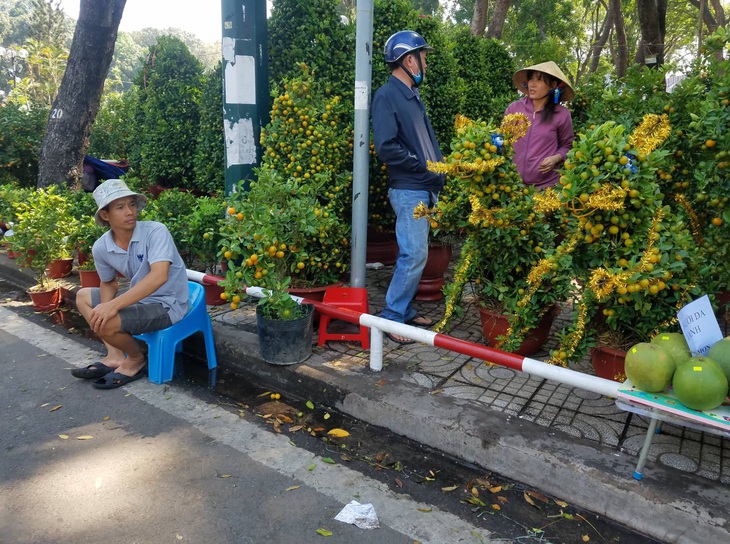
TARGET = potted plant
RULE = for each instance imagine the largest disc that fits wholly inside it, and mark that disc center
(629, 255)
(504, 237)
(285, 327)
(308, 143)
(265, 241)
(87, 233)
(43, 234)
(282, 223)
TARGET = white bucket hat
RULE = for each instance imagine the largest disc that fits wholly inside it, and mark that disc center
(111, 190)
(520, 78)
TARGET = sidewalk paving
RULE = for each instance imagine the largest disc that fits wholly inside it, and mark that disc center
(570, 443)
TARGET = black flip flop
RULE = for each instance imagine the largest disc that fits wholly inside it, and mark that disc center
(401, 342)
(115, 379)
(93, 371)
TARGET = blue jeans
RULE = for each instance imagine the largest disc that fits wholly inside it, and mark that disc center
(412, 235)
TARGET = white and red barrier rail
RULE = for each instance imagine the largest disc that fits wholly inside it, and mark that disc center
(378, 325)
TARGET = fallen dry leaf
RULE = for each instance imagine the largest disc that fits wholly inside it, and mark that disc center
(586, 538)
(284, 418)
(295, 428)
(338, 433)
(292, 488)
(380, 383)
(55, 408)
(398, 482)
(45, 404)
(502, 499)
(529, 500)
(84, 437)
(496, 507)
(496, 489)
(265, 394)
(449, 488)
(224, 475)
(562, 504)
(435, 391)
(107, 418)
(424, 509)
(475, 491)
(538, 496)
(63, 436)
(267, 416)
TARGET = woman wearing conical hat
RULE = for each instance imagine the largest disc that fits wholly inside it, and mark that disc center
(539, 154)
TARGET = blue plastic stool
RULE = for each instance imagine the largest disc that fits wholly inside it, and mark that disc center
(163, 344)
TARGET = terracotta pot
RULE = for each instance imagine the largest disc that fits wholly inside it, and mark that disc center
(47, 300)
(312, 293)
(213, 294)
(83, 257)
(382, 250)
(89, 278)
(608, 363)
(60, 268)
(496, 324)
(432, 278)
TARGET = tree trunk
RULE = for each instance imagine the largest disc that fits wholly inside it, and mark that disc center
(602, 38)
(479, 19)
(622, 46)
(499, 14)
(652, 22)
(77, 103)
(712, 23)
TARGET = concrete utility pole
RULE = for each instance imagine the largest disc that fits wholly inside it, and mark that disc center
(361, 152)
(245, 86)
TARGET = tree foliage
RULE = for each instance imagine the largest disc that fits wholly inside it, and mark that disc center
(167, 114)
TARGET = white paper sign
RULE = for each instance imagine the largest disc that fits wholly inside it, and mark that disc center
(699, 325)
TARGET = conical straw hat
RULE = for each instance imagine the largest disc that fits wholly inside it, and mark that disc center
(520, 78)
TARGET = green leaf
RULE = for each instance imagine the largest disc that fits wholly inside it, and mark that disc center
(311, 467)
(324, 532)
(328, 460)
(310, 405)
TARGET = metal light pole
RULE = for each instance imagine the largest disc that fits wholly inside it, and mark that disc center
(245, 86)
(361, 153)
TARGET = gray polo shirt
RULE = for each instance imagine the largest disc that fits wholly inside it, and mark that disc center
(151, 243)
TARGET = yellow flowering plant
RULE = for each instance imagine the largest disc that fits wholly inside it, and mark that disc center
(630, 252)
(505, 236)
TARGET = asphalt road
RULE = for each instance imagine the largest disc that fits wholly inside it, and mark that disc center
(153, 464)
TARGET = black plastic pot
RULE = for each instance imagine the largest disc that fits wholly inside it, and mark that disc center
(285, 342)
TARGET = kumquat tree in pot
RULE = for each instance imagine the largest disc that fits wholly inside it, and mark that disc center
(276, 235)
(505, 236)
(627, 249)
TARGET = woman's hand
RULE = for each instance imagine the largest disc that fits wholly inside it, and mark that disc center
(549, 163)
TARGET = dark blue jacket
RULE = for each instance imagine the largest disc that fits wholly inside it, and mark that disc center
(404, 137)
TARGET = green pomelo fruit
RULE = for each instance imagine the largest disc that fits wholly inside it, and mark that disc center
(720, 353)
(700, 384)
(675, 345)
(649, 367)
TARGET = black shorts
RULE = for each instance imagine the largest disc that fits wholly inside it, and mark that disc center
(138, 318)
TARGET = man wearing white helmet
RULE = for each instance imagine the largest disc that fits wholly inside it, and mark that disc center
(405, 141)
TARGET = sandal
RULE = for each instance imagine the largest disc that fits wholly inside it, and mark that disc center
(404, 342)
(116, 379)
(93, 371)
(421, 321)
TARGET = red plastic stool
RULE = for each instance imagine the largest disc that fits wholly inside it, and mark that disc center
(352, 298)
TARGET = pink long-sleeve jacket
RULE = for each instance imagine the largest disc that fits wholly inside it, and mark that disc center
(543, 139)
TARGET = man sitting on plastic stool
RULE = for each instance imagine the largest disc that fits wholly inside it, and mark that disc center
(157, 297)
